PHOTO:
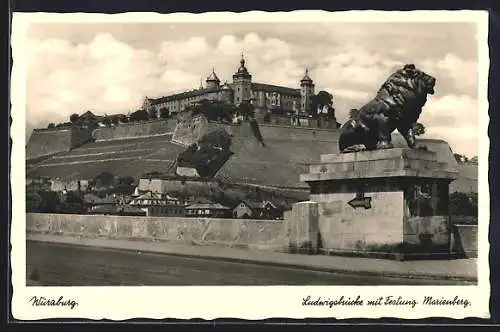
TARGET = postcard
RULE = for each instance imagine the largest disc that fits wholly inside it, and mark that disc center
(304, 164)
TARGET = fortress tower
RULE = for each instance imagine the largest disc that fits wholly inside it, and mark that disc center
(213, 81)
(306, 92)
(226, 93)
(242, 84)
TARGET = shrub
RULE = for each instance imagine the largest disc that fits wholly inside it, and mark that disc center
(49, 201)
(463, 204)
(164, 113)
(140, 115)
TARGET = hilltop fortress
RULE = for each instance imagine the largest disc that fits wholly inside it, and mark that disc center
(263, 97)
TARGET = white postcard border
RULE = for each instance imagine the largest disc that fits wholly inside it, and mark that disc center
(247, 302)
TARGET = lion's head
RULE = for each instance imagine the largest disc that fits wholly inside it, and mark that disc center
(424, 83)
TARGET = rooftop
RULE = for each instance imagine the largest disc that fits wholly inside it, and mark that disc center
(182, 95)
(216, 206)
(306, 78)
(272, 88)
(213, 77)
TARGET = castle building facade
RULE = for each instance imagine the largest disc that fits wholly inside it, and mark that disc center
(263, 97)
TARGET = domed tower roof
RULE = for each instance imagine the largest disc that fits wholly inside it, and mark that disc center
(242, 71)
(226, 87)
(306, 79)
(213, 77)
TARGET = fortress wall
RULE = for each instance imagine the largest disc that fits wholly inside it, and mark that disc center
(190, 130)
(47, 142)
(136, 129)
(238, 233)
(298, 133)
(282, 132)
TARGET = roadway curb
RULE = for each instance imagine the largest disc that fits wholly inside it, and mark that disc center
(463, 279)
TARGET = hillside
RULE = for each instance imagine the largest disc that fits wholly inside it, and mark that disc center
(131, 157)
(277, 163)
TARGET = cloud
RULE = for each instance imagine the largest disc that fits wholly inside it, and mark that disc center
(105, 75)
(455, 119)
(459, 109)
(108, 75)
(454, 73)
(352, 94)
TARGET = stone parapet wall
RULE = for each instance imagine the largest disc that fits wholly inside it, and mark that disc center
(464, 240)
(237, 233)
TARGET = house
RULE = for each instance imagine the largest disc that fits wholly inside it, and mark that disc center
(156, 204)
(207, 210)
(272, 211)
(98, 205)
(248, 209)
(69, 185)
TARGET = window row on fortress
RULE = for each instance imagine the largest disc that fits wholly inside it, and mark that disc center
(260, 99)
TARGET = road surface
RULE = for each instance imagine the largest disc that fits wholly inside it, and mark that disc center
(68, 265)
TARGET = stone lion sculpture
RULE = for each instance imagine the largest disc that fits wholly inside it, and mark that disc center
(397, 105)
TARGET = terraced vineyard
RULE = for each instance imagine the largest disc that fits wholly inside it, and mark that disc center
(125, 157)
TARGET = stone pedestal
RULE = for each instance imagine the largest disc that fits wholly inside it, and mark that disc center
(392, 201)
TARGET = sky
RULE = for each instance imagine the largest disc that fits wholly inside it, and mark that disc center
(110, 67)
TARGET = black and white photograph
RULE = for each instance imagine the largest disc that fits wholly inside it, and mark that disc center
(250, 165)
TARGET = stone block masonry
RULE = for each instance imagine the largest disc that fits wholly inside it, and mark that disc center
(47, 142)
(235, 233)
(135, 130)
(393, 200)
(302, 224)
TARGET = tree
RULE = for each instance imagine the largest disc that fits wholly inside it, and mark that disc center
(72, 204)
(218, 137)
(33, 201)
(106, 121)
(164, 113)
(321, 99)
(49, 201)
(140, 115)
(246, 109)
(214, 110)
(418, 129)
(73, 118)
(51, 125)
(125, 185)
(115, 120)
(463, 204)
(460, 158)
(103, 180)
(152, 113)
